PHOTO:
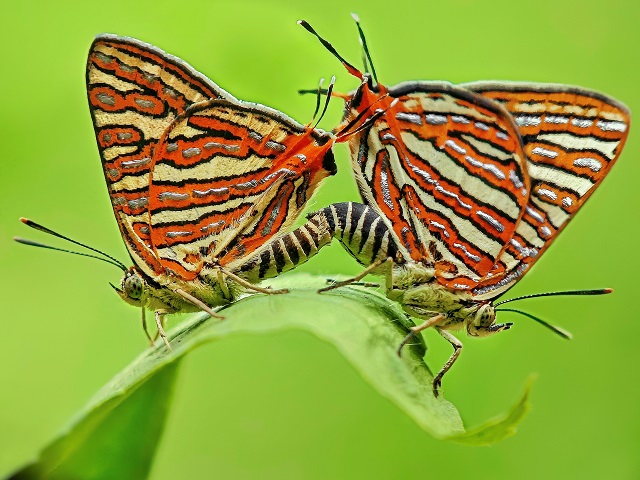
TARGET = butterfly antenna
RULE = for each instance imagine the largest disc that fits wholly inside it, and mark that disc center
(365, 64)
(315, 91)
(350, 68)
(318, 93)
(327, 100)
(553, 328)
(365, 48)
(26, 241)
(599, 291)
(37, 226)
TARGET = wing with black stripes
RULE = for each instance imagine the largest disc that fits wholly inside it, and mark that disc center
(135, 92)
(445, 168)
(228, 177)
(571, 137)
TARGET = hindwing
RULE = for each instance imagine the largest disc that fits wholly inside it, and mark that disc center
(227, 177)
(135, 92)
(571, 138)
(195, 176)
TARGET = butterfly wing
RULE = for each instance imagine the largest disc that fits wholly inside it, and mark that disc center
(572, 137)
(226, 178)
(135, 92)
(445, 169)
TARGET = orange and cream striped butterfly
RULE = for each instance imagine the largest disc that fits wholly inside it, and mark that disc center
(202, 185)
(465, 187)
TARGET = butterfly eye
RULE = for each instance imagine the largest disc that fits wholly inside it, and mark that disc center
(133, 286)
(485, 316)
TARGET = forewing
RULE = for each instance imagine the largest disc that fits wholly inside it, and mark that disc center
(228, 177)
(572, 137)
(135, 92)
(445, 168)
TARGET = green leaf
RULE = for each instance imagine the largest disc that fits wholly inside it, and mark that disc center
(120, 429)
(117, 434)
(501, 427)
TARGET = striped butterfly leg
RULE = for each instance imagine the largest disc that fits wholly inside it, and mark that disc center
(160, 315)
(251, 286)
(222, 274)
(457, 347)
(197, 302)
(435, 322)
(331, 281)
(384, 263)
(358, 228)
(431, 322)
(455, 343)
(144, 327)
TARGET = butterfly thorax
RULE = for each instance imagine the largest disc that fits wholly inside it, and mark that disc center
(416, 289)
(139, 290)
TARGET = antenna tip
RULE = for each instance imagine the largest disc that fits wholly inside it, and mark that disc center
(24, 220)
(304, 24)
(355, 17)
(608, 290)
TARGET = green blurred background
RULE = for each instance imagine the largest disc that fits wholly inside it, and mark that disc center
(288, 406)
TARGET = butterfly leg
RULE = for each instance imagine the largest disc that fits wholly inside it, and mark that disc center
(431, 322)
(383, 262)
(388, 276)
(457, 347)
(160, 317)
(198, 303)
(331, 281)
(250, 285)
(223, 285)
(144, 327)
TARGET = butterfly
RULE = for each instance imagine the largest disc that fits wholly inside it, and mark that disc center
(465, 187)
(201, 183)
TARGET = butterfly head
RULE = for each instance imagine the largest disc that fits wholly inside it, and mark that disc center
(481, 321)
(133, 288)
(424, 298)
(366, 98)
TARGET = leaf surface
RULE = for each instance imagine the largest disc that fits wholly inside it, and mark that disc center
(117, 434)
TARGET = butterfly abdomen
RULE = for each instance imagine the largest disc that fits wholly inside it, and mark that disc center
(359, 228)
(287, 252)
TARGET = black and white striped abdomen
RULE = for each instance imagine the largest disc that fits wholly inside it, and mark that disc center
(361, 231)
(357, 227)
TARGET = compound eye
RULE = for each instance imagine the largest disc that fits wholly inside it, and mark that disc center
(133, 287)
(484, 317)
